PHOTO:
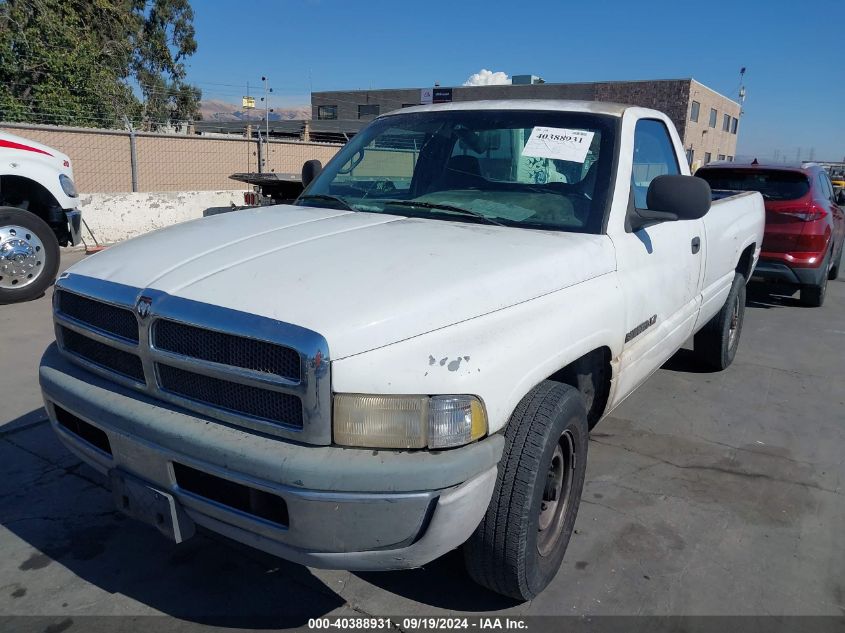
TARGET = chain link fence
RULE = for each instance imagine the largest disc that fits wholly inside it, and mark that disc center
(114, 161)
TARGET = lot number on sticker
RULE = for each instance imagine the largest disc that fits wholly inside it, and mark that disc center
(559, 143)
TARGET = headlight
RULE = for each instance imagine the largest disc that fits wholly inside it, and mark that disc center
(67, 185)
(407, 421)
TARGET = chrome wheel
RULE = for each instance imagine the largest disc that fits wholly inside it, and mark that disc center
(556, 494)
(21, 257)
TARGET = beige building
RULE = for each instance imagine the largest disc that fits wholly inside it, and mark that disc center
(711, 127)
(707, 121)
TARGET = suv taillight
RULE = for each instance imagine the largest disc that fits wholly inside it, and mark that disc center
(806, 214)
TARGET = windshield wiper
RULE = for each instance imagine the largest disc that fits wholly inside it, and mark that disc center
(324, 196)
(443, 207)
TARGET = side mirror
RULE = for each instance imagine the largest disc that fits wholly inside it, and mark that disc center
(687, 197)
(840, 197)
(672, 198)
(310, 170)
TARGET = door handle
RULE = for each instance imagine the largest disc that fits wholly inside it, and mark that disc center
(696, 245)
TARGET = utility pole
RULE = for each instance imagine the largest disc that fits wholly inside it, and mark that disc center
(266, 100)
(248, 104)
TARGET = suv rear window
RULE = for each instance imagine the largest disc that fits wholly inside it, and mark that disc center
(772, 183)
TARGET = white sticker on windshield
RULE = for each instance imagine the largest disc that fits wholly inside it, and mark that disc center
(559, 143)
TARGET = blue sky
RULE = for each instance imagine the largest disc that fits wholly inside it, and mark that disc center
(794, 52)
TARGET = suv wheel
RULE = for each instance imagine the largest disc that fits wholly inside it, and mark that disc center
(813, 296)
(519, 545)
(837, 264)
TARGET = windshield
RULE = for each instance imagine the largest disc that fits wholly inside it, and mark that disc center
(546, 170)
(772, 183)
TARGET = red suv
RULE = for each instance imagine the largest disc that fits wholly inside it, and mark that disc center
(805, 226)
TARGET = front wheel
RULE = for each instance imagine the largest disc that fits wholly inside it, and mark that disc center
(29, 255)
(519, 545)
(716, 343)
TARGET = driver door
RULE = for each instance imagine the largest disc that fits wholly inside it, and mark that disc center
(659, 268)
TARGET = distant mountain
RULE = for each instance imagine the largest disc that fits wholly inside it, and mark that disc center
(219, 110)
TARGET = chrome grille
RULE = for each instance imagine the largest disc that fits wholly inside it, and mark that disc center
(240, 368)
(110, 358)
(227, 349)
(102, 316)
(273, 406)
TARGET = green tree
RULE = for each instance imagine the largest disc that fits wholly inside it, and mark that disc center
(96, 63)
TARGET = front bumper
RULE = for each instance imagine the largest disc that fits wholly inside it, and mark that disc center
(74, 226)
(345, 508)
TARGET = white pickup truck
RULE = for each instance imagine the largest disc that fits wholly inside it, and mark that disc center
(409, 359)
(39, 211)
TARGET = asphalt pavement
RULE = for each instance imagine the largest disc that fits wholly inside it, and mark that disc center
(706, 494)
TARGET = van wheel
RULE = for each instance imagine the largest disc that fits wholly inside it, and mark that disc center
(519, 545)
(29, 255)
(716, 343)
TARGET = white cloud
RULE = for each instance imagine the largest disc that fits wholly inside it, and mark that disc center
(486, 77)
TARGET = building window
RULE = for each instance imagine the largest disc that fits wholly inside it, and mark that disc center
(368, 110)
(707, 157)
(730, 159)
(721, 157)
(726, 123)
(694, 110)
(327, 112)
(734, 123)
(690, 156)
(713, 116)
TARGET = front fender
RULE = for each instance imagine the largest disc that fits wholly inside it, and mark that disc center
(41, 171)
(498, 357)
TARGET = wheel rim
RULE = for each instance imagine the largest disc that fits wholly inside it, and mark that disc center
(21, 257)
(557, 492)
(734, 325)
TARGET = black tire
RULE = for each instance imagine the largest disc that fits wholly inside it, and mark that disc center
(39, 245)
(716, 343)
(545, 450)
(813, 296)
(837, 264)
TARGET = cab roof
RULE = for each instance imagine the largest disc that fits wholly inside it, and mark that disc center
(561, 105)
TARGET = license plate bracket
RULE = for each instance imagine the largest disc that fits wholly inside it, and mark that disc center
(139, 500)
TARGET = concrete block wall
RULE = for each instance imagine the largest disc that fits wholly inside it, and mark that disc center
(672, 96)
(101, 159)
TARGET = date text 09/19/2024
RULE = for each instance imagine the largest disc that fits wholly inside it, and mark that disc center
(419, 623)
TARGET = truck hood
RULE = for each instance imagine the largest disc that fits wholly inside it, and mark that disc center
(362, 280)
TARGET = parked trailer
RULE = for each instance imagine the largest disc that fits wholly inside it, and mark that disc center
(270, 188)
